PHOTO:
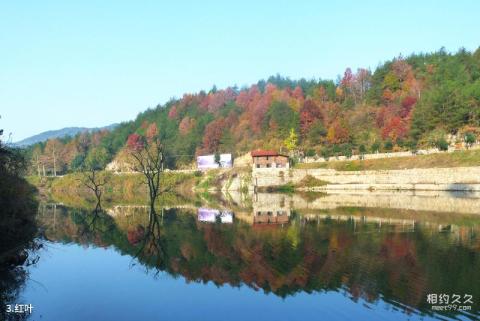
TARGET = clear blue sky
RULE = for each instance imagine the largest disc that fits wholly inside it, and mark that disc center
(92, 63)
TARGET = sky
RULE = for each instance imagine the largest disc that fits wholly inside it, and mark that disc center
(94, 63)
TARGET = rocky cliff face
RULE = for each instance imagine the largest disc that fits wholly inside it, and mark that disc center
(238, 182)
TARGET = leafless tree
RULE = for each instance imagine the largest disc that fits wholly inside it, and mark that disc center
(95, 181)
(149, 159)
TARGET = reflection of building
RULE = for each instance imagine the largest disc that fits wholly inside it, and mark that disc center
(269, 159)
(209, 215)
(270, 209)
(271, 217)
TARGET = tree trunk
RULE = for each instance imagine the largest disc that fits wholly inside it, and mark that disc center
(38, 168)
(54, 164)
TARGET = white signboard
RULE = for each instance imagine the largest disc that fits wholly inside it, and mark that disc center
(208, 161)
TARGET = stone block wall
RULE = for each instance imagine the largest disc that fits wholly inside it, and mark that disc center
(456, 178)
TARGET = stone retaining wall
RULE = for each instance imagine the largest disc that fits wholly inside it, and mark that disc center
(456, 178)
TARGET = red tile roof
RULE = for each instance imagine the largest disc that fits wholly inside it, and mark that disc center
(257, 153)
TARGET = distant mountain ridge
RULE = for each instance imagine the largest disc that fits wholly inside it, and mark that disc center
(59, 133)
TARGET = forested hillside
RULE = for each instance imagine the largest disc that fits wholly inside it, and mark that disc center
(405, 103)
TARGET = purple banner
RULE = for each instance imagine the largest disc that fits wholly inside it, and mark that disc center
(208, 161)
(209, 215)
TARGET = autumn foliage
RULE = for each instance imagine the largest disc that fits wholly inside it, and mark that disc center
(402, 100)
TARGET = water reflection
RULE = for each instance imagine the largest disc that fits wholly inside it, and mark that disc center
(270, 209)
(17, 240)
(369, 254)
(209, 215)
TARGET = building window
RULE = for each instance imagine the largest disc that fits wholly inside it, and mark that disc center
(268, 165)
(258, 165)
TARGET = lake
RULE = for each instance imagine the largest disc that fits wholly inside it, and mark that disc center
(271, 257)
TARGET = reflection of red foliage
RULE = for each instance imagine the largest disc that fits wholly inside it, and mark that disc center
(216, 242)
(400, 260)
(398, 248)
(135, 234)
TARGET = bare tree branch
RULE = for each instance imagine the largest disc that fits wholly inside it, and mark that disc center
(149, 160)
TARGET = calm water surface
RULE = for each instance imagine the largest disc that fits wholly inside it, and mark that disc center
(219, 263)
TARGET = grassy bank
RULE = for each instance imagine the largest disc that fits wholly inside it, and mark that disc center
(455, 159)
(127, 188)
(307, 181)
(131, 189)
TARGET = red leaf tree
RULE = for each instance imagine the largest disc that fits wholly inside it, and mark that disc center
(309, 113)
(135, 142)
(213, 135)
(152, 131)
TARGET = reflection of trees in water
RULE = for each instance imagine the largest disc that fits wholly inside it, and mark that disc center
(17, 232)
(149, 241)
(79, 226)
(18, 228)
(12, 279)
(365, 260)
